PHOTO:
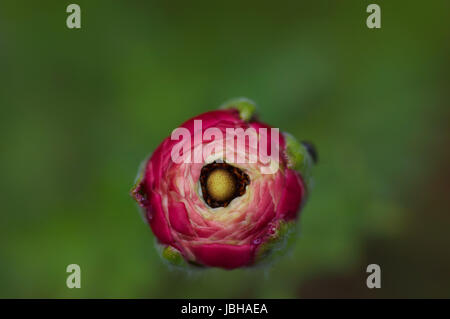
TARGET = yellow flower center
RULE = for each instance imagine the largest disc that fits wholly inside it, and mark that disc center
(220, 185)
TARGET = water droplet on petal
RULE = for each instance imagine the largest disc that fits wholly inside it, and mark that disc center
(257, 241)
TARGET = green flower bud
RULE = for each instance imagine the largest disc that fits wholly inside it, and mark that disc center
(277, 243)
(246, 107)
(299, 158)
(173, 256)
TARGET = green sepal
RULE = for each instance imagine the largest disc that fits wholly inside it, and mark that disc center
(173, 256)
(246, 107)
(299, 158)
(277, 244)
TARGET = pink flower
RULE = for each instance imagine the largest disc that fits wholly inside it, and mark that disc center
(219, 212)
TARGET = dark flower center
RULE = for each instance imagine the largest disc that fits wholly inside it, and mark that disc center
(221, 183)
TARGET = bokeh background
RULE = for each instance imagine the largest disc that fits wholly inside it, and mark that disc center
(80, 109)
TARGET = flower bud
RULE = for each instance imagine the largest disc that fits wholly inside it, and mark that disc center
(233, 198)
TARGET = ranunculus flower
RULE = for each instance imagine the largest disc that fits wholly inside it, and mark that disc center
(213, 210)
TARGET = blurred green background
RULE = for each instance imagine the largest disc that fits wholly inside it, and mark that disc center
(80, 109)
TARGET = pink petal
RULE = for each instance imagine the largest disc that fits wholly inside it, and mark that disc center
(281, 141)
(223, 255)
(291, 197)
(179, 219)
(158, 221)
(210, 119)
